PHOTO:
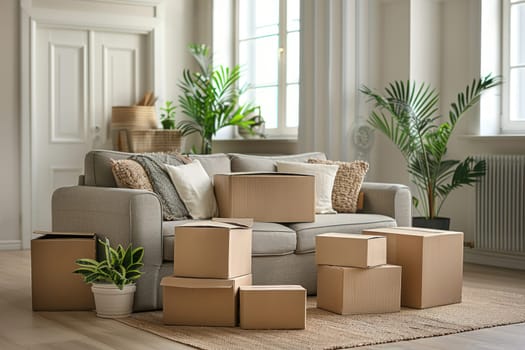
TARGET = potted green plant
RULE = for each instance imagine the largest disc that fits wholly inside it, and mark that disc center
(210, 98)
(113, 278)
(167, 118)
(407, 113)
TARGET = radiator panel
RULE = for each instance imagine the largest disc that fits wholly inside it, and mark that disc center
(500, 205)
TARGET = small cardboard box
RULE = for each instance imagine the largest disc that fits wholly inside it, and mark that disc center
(432, 262)
(352, 290)
(213, 249)
(266, 197)
(202, 302)
(54, 286)
(273, 307)
(352, 250)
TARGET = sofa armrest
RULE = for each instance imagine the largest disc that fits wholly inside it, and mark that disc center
(393, 200)
(123, 215)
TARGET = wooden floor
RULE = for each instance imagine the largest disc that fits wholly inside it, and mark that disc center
(20, 328)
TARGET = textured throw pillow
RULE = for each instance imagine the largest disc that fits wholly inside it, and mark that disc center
(324, 181)
(347, 184)
(130, 174)
(195, 189)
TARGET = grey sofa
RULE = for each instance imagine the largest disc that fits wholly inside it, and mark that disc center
(282, 254)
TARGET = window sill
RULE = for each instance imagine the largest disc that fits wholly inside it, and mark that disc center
(269, 145)
(494, 138)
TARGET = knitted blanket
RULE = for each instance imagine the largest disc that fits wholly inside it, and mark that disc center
(172, 206)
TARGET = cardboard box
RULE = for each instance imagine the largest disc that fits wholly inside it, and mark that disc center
(432, 262)
(54, 286)
(266, 197)
(351, 290)
(213, 249)
(202, 302)
(352, 250)
(273, 307)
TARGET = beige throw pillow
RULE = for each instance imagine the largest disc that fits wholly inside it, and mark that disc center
(347, 184)
(324, 181)
(195, 189)
(130, 174)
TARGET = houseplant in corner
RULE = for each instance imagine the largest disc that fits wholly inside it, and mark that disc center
(210, 98)
(113, 278)
(407, 113)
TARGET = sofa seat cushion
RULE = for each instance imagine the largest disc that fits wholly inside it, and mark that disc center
(340, 223)
(269, 239)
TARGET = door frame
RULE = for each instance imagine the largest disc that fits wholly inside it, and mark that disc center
(30, 18)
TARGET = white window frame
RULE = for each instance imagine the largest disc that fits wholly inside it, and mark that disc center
(281, 130)
(508, 126)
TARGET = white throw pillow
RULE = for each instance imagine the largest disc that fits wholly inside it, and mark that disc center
(195, 189)
(324, 181)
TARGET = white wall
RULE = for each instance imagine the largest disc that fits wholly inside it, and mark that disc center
(10, 126)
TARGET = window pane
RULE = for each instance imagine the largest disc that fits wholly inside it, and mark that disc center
(267, 99)
(517, 94)
(259, 60)
(293, 14)
(517, 34)
(292, 106)
(292, 58)
(258, 18)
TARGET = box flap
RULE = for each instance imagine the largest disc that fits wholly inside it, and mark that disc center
(414, 231)
(214, 224)
(351, 235)
(242, 222)
(182, 282)
(75, 234)
(273, 287)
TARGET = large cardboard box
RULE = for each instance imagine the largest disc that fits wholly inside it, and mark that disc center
(266, 197)
(273, 307)
(352, 290)
(54, 286)
(213, 249)
(432, 262)
(352, 250)
(202, 302)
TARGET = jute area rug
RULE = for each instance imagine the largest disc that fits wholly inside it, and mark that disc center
(481, 308)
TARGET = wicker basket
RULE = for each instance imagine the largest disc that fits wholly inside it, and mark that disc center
(155, 140)
(130, 118)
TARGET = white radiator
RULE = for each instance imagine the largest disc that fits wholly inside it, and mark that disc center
(500, 206)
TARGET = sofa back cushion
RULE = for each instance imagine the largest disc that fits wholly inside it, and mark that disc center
(98, 163)
(245, 162)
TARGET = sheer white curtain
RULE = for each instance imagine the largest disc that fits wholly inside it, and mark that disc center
(330, 57)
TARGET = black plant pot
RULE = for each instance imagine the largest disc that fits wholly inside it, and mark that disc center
(436, 223)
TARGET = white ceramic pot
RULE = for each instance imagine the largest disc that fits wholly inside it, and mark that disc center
(111, 302)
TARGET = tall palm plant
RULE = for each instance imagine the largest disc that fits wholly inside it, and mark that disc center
(407, 113)
(210, 98)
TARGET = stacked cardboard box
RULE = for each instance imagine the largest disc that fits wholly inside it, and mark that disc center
(212, 259)
(353, 277)
(432, 262)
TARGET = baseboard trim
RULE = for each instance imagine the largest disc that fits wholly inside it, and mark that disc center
(15, 244)
(484, 257)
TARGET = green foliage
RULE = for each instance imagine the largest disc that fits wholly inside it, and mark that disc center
(407, 114)
(210, 98)
(120, 266)
(168, 117)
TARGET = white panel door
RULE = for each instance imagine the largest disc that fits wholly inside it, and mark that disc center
(60, 123)
(120, 76)
(79, 75)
